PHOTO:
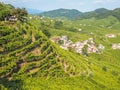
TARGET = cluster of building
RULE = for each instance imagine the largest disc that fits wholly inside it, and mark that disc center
(91, 46)
(85, 25)
(78, 46)
(116, 46)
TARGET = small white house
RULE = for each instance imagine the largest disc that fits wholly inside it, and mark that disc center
(101, 47)
(116, 46)
(79, 29)
(92, 49)
(110, 35)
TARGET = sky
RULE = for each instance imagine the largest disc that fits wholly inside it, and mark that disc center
(81, 5)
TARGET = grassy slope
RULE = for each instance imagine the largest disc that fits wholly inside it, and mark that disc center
(94, 72)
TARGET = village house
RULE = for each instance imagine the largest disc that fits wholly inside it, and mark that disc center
(110, 35)
(91, 41)
(11, 19)
(116, 46)
(64, 39)
(79, 29)
(78, 46)
(66, 42)
(101, 47)
(30, 18)
(92, 48)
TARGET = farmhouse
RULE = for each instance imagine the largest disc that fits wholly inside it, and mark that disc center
(92, 48)
(78, 46)
(79, 29)
(101, 47)
(11, 19)
(110, 35)
(116, 46)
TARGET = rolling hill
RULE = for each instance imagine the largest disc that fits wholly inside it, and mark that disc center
(31, 53)
(75, 14)
(62, 13)
(101, 13)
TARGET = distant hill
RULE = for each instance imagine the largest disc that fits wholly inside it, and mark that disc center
(72, 14)
(62, 13)
(101, 10)
(33, 11)
(101, 13)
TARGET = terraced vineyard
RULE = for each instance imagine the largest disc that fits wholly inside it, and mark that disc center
(27, 52)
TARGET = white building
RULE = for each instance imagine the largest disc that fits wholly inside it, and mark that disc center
(110, 35)
(78, 46)
(92, 49)
(79, 29)
(116, 46)
(101, 47)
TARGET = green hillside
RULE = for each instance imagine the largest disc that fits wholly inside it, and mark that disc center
(27, 51)
(72, 14)
(101, 13)
(29, 60)
(62, 13)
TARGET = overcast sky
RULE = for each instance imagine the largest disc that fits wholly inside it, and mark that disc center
(81, 5)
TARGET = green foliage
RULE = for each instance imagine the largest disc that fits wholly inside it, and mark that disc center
(46, 32)
(104, 68)
(101, 13)
(19, 12)
(58, 25)
(84, 50)
(5, 10)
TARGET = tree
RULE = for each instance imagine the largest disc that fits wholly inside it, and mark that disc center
(58, 24)
(84, 50)
(19, 13)
(4, 11)
(104, 68)
(23, 12)
(45, 30)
